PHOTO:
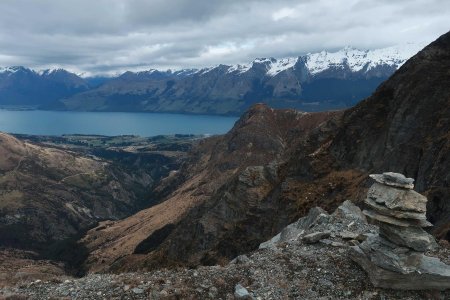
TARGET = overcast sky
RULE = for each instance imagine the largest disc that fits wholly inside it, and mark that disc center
(110, 36)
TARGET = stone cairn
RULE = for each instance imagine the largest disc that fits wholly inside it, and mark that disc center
(395, 257)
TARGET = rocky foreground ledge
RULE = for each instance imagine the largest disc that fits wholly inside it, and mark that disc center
(310, 259)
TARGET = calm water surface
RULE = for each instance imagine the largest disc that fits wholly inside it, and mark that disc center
(111, 123)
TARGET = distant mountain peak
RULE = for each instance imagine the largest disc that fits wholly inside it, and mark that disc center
(350, 57)
(48, 72)
(356, 59)
(12, 69)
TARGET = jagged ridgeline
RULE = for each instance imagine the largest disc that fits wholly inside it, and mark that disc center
(312, 82)
(240, 189)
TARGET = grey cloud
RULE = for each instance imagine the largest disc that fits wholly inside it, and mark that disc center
(109, 36)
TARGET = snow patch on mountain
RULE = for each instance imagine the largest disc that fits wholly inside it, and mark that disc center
(48, 72)
(281, 65)
(185, 72)
(239, 68)
(357, 59)
(205, 70)
(10, 70)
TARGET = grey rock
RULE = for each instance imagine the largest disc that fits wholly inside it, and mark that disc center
(430, 274)
(394, 179)
(348, 210)
(379, 218)
(383, 254)
(138, 291)
(348, 235)
(295, 230)
(412, 237)
(241, 292)
(397, 198)
(401, 214)
(241, 259)
(338, 244)
(354, 242)
(315, 237)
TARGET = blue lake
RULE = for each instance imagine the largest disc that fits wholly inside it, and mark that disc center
(40, 122)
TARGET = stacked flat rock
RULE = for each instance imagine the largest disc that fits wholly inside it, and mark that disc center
(399, 211)
(394, 258)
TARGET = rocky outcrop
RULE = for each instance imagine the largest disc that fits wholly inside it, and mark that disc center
(395, 257)
(297, 229)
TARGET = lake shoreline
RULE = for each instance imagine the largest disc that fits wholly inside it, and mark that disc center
(58, 123)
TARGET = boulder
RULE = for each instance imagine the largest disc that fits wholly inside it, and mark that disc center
(413, 237)
(349, 210)
(295, 230)
(390, 256)
(431, 274)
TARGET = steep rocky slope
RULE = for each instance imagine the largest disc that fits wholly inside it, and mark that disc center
(226, 202)
(261, 137)
(54, 188)
(49, 194)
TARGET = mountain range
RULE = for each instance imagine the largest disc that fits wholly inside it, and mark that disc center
(312, 82)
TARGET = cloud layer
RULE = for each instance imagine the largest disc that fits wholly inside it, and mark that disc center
(110, 36)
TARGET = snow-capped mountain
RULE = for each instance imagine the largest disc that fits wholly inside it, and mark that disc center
(359, 60)
(355, 60)
(314, 81)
